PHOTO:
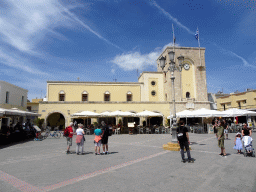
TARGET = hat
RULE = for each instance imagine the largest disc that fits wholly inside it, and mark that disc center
(71, 124)
(238, 133)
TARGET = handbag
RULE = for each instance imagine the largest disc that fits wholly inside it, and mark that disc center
(83, 138)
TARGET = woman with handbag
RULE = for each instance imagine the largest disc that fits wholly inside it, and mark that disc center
(80, 139)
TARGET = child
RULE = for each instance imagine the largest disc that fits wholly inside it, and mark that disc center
(238, 143)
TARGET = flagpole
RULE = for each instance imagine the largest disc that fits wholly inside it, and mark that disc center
(199, 48)
(173, 36)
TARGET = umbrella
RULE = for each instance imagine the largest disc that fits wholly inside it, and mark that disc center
(205, 113)
(122, 114)
(237, 112)
(86, 114)
(148, 114)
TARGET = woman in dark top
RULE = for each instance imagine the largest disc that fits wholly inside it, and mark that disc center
(246, 131)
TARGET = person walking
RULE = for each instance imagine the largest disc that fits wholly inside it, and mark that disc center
(80, 139)
(97, 140)
(183, 141)
(246, 131)
(69, 129)
(220, 137)
(105, 138)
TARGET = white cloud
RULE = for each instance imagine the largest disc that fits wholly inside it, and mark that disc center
(135, 60)
(246, 64)
(170, 17)
(24, 23)
(15, 61)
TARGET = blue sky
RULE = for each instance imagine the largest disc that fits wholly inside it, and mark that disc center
(103, 40)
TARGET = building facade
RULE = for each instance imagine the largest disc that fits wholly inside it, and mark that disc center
(240, 100)
(12, 96)
(152, 92)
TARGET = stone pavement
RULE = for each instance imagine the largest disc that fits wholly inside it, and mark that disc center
(136, 163)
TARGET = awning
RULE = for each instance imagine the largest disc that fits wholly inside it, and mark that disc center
(16, 112)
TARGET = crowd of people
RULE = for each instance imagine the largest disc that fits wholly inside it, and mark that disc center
(243, 139)
(100, 139)
(221, 128)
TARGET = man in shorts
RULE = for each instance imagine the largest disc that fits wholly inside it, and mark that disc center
(97, 140)
(70, 136)
(105, 138)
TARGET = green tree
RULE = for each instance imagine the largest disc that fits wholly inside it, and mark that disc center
(39, 122)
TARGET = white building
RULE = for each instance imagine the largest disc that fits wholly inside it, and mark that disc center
(12, 96)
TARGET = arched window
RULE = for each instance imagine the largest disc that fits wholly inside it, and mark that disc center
(85, 96)
(61, 96)
(187, 95)
(106, 96)
(129, 96)
(153, 93)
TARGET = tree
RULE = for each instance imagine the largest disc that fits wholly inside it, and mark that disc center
(39, 122)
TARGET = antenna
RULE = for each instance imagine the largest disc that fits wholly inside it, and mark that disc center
(78, 78)
(114, 80)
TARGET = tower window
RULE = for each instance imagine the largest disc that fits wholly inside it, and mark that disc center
(129, 96)
(22, 101)
(153, 83)
(187, 95)
(62, 96)
(153, 93)
(7, 97)
(107, 96)
(84, 96)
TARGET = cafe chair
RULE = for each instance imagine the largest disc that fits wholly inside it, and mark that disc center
(157, 131)
(148, 130)
(163, 130)
(117, 131)
(141, 130)
(87, 131)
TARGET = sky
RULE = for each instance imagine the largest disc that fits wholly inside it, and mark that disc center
(115, 40)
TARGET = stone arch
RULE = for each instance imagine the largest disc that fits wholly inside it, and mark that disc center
(59, 119)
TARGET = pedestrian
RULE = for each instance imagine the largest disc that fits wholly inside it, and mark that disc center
(69, 130)
(105, 138)
(80, 139)
(238, 143)
(225, 129)
(220, 137)
(246, 131)
(97, 140)
(183, 141)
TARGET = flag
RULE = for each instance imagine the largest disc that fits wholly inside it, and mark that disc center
(197, 34)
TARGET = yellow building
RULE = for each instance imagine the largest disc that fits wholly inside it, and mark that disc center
(152, 92)
(243, 100)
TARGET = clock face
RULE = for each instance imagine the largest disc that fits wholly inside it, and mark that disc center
(186, 66)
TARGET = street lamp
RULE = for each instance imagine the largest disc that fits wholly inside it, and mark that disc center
(172, 68)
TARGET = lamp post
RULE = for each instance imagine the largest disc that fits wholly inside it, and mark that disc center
(172, 68)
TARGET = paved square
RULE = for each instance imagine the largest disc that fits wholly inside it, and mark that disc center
(136, 163)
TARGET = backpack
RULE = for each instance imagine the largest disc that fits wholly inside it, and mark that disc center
(180, 135)
(66, 132)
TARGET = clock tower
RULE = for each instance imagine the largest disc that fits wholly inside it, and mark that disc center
(190, 84)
